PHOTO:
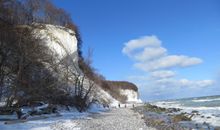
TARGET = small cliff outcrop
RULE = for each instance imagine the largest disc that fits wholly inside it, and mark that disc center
(123, 91)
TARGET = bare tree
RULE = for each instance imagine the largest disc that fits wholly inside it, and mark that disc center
(28, 70)
(83, 91)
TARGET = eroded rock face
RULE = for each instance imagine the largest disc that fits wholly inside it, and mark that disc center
(132, 96)
(61, 41)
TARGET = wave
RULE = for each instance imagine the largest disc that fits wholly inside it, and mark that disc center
(181, 106)
(210, 115)
(206, 100)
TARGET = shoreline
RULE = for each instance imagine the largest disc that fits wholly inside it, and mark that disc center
(143, 116)
(170, 118)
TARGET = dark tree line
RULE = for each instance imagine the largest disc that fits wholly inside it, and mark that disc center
(122, 85)
(27, 12)
(21, 64)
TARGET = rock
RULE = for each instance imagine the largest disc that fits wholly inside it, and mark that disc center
(195, 112)
(47, 110)
(217, 128)
(153, 108)
(6, 111)
(159, 122)
(180, 117)
(204, 123)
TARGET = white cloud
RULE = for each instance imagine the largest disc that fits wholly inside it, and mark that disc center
(138, 78)
(185, 83)
(162, 74)
(153, 59)
(150, 55)
(170, 61)
(165, 79)
(147, 41)
(165, 88)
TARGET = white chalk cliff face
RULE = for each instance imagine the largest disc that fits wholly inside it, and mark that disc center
(61, 40)
(132, 96)
(63, 43)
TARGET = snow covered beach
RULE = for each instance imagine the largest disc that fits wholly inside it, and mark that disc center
(116, 119)
(113, 119)
(142, 117)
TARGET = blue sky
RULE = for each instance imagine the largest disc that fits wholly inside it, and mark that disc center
(180, 38)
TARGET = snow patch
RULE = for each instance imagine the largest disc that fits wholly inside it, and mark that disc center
(95, 108)
(65, 122)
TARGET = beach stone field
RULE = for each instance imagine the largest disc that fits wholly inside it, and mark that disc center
(115, 119)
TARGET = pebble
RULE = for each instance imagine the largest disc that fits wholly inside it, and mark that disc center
(116, 119)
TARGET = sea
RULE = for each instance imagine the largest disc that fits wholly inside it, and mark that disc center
(208, 108)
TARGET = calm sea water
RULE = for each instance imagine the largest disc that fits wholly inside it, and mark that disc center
(208, 107)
